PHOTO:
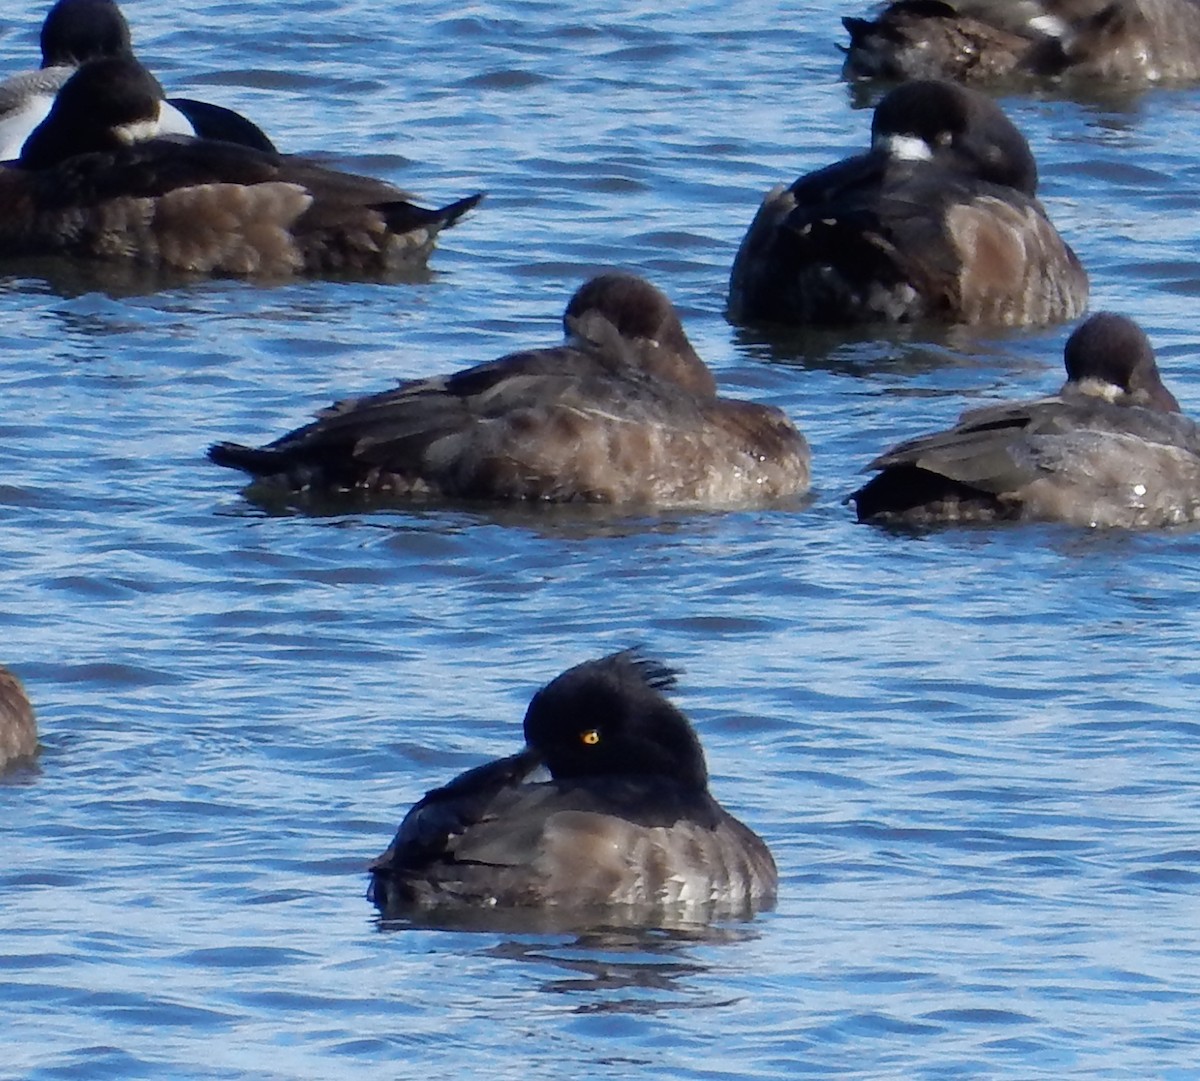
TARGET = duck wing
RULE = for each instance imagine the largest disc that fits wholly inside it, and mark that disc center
(1000, 449)
(433, 826)
(579, 842)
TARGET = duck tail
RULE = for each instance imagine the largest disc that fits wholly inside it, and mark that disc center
(257, 461)
(403, 216)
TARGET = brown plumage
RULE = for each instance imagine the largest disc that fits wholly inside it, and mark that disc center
(625, 818)
(983, 41)
(86, 186)
(938, 221)
(18, 727)
(1110, 449)
(624, 412)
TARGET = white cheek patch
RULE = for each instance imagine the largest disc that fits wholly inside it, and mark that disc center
(1100, 388)
(904, 147)
(1050, 25)
(136, 132)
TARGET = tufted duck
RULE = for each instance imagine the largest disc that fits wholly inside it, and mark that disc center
(625, 819)
(94, 180)
(978, 41)
(76, 31)
(938, 220)
(1110, 449)
(623, 412)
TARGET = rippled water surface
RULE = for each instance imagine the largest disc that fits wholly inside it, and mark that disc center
(973, 752)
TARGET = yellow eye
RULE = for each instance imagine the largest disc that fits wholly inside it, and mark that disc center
(591, 737)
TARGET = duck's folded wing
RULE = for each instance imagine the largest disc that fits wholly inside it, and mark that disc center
(879, 222)
(619, 840)
(432, 828)
(1001, 448)
(148, 170)
(984, 451)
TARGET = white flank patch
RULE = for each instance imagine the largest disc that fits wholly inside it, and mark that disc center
(172, 122)
(904, 147)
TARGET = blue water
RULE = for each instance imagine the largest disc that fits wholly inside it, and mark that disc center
(972, 752)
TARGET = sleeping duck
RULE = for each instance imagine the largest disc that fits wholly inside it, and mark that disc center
(76, 31)
(623, 412)
(18, 728)
(1110, 449)
(979, 41)
(624, 818)
(938, 220)
(95, 180)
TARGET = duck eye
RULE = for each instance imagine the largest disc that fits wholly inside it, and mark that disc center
(591, 737)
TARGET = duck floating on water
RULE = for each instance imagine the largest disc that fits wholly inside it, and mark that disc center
(96, 181)
(1110, 449)
(623, 412)
(988, 41)
(624, 819)
(76, 31)
(18, 726)
(939, 221)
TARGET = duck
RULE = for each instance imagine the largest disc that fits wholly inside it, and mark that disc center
(938, 221)
(1111, 449)
(75, 31)
(95, 180)
(18, 726)
(624, 818)
(985, 41)
(624, 412)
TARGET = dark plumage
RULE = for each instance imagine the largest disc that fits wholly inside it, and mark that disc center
(938, 220)
(980, 41)
(1110, 449)
(624, 412)
(625, 819)
(76, 31)
(92, 181)
(18, 728)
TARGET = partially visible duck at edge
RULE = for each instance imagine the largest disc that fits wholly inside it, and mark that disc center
(625, 818)
(95, 180)
(18, 727)
(76, 31)
(981, 41)
(1110, 449)
(623, 412)
(939, 221)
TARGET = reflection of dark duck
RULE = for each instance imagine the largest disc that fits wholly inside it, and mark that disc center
(938, 220)
(625, 819)
(18, 728)
(93, 181)
(1110, 449)
(985, 40)
(623, 412)
(76, 31)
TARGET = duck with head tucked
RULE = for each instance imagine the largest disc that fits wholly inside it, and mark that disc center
(76, 31)
(624, 820)
(18, 727)
(623, 412)
(982, 41)
(95, 181)
(1110, 449)
(939, 220)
